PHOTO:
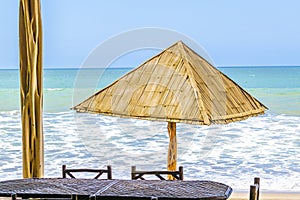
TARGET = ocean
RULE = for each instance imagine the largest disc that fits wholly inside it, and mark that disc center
(267, 146)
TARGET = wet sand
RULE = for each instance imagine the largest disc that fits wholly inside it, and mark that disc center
(267, 196)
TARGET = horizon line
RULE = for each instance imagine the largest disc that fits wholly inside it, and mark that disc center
(129, 67)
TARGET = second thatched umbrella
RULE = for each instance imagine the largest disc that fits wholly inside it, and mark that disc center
(177, 85)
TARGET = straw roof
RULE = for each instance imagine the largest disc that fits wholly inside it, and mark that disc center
(177, 85)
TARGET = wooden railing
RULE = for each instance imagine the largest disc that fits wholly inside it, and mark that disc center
(99, 172)
(139, 174)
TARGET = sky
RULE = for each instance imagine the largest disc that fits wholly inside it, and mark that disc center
(233, 32)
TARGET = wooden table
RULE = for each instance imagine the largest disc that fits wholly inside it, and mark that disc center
(113, 189)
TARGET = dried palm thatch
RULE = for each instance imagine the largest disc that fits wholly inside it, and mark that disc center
(176, 85)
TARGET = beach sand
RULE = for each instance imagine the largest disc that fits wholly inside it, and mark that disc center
(266, 196)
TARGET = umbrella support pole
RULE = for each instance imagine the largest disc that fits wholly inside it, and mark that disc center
(172, 153)
(30, 44)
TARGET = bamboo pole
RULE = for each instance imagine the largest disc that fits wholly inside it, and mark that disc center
(30, 45)
(172, 153)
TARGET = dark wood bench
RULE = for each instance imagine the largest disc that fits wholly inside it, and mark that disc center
(178, 175)
(45, 196)
(84, 189)
(98, 172)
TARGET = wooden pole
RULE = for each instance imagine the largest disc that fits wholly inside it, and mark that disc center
(257, 183)
(30, 45)
(172, 153)
(255, 189)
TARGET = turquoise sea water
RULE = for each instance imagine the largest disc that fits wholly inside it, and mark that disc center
(277, 87)
(267, 146)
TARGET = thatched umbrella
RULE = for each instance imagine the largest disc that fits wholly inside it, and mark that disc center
(177, 85)
(30, 42)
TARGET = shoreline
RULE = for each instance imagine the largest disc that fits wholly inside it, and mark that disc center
(267, 195)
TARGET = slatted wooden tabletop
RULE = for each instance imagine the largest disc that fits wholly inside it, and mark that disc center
(114, 189)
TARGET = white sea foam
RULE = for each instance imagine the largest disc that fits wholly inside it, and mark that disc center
(267, 146)
(54, 89)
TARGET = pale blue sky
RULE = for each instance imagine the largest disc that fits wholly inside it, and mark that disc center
(234, 32)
